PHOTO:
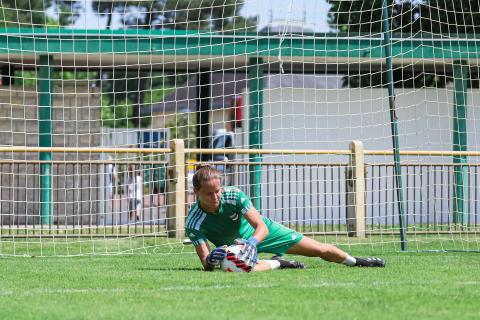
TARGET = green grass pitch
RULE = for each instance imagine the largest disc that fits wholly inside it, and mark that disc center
(159, 286)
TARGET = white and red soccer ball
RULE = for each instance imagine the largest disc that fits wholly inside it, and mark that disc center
(234, 262)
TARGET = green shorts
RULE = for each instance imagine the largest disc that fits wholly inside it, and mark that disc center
(279, 239)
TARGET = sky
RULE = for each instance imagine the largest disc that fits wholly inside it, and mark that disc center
(314, 12)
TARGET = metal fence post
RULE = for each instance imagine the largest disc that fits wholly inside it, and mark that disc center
(255, 136)
(355, 191)
(176, 191)
(45, 85)
(460, 193)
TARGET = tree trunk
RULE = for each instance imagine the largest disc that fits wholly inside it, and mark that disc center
(142, 83)
(108, 27)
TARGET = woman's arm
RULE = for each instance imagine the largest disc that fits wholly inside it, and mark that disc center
(203, 250)
(256, 221)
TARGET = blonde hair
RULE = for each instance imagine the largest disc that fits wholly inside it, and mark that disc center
(203, 174)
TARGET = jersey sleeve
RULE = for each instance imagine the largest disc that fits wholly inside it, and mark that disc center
(243, 203)
(197, 237)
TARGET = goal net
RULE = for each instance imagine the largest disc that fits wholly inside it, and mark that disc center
(353, 122)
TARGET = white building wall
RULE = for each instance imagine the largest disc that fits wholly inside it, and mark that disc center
(296, 118)
(218, 119)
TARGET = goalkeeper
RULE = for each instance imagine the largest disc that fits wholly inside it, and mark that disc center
(224, 215)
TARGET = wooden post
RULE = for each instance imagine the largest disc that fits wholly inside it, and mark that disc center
(176, 195)
(355, 191)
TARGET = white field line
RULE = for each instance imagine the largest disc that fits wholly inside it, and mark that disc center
(49, 291)
(126, 290)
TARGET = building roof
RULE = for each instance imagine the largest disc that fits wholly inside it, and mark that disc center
(225, 86)
(286, 26)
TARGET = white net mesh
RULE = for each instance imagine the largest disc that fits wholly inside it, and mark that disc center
(93, 92)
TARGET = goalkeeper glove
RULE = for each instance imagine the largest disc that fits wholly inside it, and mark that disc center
(249, 249)
(216, 256)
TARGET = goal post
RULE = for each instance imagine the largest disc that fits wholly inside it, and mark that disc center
(394, 126)
(353, 122)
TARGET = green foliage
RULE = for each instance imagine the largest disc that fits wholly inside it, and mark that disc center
(155, 95)
(33, 14)
(408, 18)
(123, 86)
(28, 78)
(205, 14)
(68, 11)
(367, 16)
(28, 13)
(142, 88)
(118, 117)
(450, 17)
(25, 78)
(74, 75)
(23, 13)
(183, 126)
(179, 14)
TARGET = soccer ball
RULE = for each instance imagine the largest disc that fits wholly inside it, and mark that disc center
(233, 261)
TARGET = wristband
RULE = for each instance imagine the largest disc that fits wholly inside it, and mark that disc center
(253, 240)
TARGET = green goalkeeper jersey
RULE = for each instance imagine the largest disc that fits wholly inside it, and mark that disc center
(229, 223)
(224, 226)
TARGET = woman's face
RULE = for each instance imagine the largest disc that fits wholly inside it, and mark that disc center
(209, 195)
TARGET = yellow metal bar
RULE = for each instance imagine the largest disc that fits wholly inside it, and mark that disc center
(232, 163)
(85, 150)
(238, 151)
(424, 153)
(266, 151)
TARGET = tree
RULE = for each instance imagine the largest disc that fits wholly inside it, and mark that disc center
(450, 17)
(220, 15)
(28, 13)
(183, 126)
(120, 87)
(33, 14)
(408, 18)
(104, 9)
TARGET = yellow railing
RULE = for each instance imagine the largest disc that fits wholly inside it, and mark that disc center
(311, 196)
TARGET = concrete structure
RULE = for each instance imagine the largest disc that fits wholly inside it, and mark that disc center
(76, 122)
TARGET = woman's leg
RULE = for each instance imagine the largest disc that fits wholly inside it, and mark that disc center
(262, 265)
(311, 248)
